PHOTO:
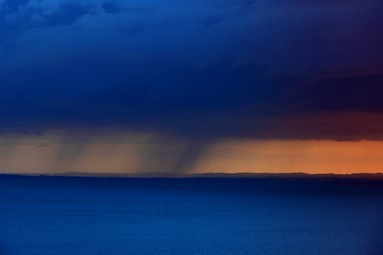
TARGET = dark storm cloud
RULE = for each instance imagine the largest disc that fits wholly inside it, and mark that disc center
(20, 16)
(13, 6)
(255, 69)
(111, 7)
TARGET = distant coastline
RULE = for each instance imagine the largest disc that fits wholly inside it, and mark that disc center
(292, 175)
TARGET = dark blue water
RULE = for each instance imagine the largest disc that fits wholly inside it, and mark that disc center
(56, 215)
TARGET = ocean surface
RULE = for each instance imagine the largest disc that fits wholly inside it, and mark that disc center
(67, 215)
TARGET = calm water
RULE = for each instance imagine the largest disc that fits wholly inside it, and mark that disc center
(52, 215)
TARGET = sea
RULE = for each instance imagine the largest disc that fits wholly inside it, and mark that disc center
(127, 216)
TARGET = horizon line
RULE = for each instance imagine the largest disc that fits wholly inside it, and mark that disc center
(159, 175)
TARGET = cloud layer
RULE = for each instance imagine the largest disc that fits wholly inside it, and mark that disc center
(253, 69)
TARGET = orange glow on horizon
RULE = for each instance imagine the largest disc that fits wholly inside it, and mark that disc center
(309, 156)
(150, 153)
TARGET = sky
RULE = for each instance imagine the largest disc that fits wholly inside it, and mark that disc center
(191, 86)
